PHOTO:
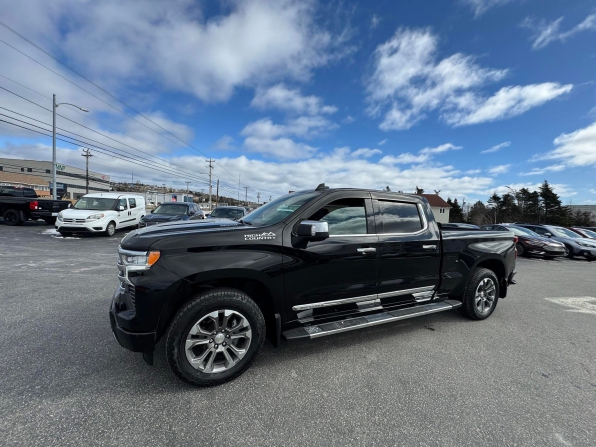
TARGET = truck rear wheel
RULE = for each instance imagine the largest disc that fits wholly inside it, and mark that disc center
(215, 337)
(481, 295)
(13, 218)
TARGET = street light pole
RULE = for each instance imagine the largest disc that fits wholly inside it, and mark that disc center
(54, 188)
(54, 107)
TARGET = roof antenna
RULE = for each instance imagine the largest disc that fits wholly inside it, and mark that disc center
(321, 187)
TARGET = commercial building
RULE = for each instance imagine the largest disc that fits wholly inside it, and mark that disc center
(71, 179)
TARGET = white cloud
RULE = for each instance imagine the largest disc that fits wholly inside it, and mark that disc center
(497, 147)
(291, 100)
(374, 21)
(365, 152)
(440, 149)
(575, 149)
(405, 158)
(224, 143)
(481, 6)
(265, 137)
(500, 169)
(508, 102)
(348, 120)
(337, 169)
(540, 171)
(545, 32)
(410, 81)
(247, 43)
(382, 142)
(473, 171)
(423, 156)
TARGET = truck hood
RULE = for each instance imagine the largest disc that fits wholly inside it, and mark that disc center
(143, 238)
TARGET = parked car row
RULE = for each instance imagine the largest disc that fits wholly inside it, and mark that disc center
(107, 212)
(550, 241)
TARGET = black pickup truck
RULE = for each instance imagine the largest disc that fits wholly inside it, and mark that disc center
(309, 264)
(18, 204)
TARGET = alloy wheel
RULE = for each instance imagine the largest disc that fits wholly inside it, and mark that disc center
(484, 298)
(218, 341)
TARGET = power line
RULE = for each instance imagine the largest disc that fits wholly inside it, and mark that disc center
(98, 149)
(102, 89)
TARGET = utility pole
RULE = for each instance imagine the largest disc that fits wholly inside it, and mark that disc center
(258, 198)
(246, 195)
(217, 195)
(210, 161)
(238, 189)
(54, 107)
(87, 155)
(187, 189)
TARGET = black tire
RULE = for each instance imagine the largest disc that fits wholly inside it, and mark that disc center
(569, 252)
(110, 229)
(469, 307)
(13, 218)
(521, 250)
(196, 309)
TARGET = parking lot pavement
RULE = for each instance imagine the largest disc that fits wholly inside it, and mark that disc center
(525, 376)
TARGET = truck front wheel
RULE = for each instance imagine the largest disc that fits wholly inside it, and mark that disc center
(481, 295)
(215, 337)
(13, 218)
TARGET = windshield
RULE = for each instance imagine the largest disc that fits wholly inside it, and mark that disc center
(518, 231)
(279, 209)
(171, 209)
(589, 233)
(564, 232)
(95, 203)
(227, 213)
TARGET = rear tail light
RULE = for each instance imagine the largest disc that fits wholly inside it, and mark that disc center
(33, 205)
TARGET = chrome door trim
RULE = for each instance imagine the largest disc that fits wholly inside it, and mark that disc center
(405, 292)
(357, 299)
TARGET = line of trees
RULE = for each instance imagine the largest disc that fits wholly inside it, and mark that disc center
(539, 207)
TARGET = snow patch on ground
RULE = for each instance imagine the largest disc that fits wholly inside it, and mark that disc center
(56, 235)
(580, 304)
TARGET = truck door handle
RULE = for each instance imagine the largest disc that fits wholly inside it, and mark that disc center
(429, 247)
(366, 250)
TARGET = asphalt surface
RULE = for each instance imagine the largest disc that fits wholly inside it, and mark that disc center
(526, 376)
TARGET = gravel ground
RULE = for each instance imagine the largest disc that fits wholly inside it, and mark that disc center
(525, 376)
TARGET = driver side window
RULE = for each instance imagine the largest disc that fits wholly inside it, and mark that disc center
(344, 216)
(122, 202)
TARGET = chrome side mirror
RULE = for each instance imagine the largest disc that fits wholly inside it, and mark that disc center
(120, 208)
(548, 235)
(313, 229)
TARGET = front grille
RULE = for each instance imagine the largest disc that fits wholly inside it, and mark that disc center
(67, 220)
(131, 292)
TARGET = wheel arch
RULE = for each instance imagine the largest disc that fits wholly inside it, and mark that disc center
(497, 266)
(247, 282)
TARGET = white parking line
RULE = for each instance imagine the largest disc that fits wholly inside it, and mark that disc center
(580, 304)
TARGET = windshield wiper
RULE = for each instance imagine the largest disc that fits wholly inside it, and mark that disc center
(244, 222)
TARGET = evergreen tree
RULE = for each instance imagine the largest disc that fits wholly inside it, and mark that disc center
(479, 214)
(456, 214)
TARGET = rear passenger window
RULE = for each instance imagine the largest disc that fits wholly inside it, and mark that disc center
(133, 203)
(398, 217)
(344, 216)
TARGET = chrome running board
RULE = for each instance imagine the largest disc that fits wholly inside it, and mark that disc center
(350, 324)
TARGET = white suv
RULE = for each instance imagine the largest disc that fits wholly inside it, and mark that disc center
(101, 213)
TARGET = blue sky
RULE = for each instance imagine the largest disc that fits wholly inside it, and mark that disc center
(462, 96)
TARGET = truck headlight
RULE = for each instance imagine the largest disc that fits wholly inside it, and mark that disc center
(96, 216)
